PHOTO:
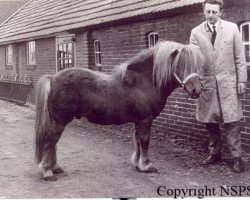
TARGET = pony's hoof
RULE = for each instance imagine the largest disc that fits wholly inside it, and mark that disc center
(152, 169)
(48, 176)
(148, 169)
(58, 170)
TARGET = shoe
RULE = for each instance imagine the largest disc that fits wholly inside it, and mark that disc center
(238, 165)
(212, 159)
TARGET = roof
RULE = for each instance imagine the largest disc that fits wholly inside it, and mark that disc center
(41, 18)
(7, 8)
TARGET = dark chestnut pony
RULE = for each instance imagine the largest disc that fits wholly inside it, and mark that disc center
(136, 92)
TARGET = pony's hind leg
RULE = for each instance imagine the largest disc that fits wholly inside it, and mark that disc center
(136, 154)
(145, 164)
(48, 165)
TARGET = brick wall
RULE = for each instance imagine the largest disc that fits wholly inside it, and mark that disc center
(45, 64)
(246, 120)
(45, 61)
(120, 43)
(81, 47)
(12, 86)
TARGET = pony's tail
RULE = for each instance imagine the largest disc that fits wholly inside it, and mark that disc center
(42, 118)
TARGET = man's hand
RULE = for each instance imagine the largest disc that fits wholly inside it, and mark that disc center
(242, 88)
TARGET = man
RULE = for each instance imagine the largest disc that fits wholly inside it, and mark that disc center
(224, 81)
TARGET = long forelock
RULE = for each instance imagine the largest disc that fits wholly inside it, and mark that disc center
(191, 61)
(163, 64)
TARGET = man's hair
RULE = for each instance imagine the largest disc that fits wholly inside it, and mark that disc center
(219, 2)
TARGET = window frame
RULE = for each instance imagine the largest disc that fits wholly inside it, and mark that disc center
(97, 53)
(31, 53)
(153, 38)
(245, 43)
(9, 55)
(65, 52)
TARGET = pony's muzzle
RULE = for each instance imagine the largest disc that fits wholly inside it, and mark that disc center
(195, 96)
(195, 93)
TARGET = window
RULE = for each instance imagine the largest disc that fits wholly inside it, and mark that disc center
(9, 54)
(244, 29)
(31, 53)
(65, 52)
(152, 39)
(97, 50)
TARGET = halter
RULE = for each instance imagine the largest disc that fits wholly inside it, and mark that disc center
(182, 83)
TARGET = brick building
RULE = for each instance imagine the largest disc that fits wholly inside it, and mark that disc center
(47, 36)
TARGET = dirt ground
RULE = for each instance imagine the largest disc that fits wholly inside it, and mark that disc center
(97, 162)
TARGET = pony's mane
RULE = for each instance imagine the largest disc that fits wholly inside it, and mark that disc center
(187, 60)
(138, 59)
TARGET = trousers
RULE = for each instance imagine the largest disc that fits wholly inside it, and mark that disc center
(233, 136)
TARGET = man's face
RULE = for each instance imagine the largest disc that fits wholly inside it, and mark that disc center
(212, 12)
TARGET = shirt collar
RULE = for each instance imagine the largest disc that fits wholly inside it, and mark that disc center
(210, 26)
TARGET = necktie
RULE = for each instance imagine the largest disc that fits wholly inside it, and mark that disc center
(213, 35)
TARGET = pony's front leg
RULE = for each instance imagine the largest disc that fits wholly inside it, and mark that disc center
(48, 162)
(144, 164)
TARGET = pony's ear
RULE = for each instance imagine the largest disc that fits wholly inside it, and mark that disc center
(174, 58)
(174, 54)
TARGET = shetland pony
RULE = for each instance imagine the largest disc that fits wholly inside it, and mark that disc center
(136, 92)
